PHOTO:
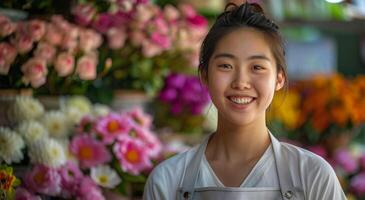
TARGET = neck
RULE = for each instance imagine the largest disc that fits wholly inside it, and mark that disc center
(232, 143)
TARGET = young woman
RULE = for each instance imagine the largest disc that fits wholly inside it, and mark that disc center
(242, 64)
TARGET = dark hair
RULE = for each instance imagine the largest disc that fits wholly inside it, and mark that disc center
(245, 15)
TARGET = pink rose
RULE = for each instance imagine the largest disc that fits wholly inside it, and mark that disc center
(103, 22)
(53, 35)
(161, 25)
(116, 38)
(161, 40)
(86, 67)
(137, 38)
(36, 29)
(35, 72)
(7, 56)
(7, 27)
(146, 12)
(84, 13)
(45, 51)
(197, 21)
(89, 40)
(23, 43)
(70, 39)
(150, 49)
(171, 13)
(187, 10)
(64, 64)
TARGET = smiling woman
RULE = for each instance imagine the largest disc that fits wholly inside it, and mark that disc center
(242, 64)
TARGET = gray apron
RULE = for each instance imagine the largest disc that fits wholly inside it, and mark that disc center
(287, 190)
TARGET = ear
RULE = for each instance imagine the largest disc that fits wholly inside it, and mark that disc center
(280, 80)
(203, 78)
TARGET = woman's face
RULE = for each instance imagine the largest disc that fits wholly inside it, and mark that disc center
(242, 77)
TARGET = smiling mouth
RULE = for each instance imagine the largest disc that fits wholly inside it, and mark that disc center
(241, 100)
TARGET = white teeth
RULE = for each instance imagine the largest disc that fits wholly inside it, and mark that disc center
(242, 100)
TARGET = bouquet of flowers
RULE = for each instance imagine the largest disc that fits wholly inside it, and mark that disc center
(53, 57)
(322, 107)
(144, 41)
(349, 165)
(182, 102)
(79, 151)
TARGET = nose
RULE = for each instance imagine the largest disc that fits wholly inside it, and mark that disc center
(241, 81)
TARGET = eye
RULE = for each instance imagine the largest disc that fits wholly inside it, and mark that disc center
(225, 66)
(258, 67)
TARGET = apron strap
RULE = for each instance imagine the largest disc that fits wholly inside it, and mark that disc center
(192, 172)
(283, 170)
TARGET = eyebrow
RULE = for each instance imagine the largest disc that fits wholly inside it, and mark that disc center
(253, 57)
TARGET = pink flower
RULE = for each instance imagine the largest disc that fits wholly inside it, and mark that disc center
(86, 67)
(84, 13)
(137, 38)
(7, 57)
(171, 13)
(112, 126)
(103, 22)
(23, 43)
(36, 29)
(71, 176)
(116, 38)
(7, 27)
(161, 25)
(53, 35)
(140, 118)
(345, 160)
(198, 21)
(146, 12)
(35, 72)
(43, 180)
(45, 51)
(89, 40)
(161, 40)
(89, 151)
(88, 190)
(64, 64)
(150, 49)
(23, 194)
(187, 10)
(132, 155)
(357, 184)
(152, 144)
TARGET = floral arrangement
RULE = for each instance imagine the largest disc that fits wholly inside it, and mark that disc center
(349, 165)
(321, 107)
(81, 151)
(53, 57)
(7, 182)
(182, 102)
(145, 41)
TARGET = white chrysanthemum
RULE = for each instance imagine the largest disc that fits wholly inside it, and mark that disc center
(100, 110)
(105, 176)
(32, 131)
(27, 108)
(56, 123)
(11, 145)
(81, 103)
(73, 115)
(48, 152)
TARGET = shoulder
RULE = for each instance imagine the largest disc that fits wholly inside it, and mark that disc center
(315, 174)
(166, 177)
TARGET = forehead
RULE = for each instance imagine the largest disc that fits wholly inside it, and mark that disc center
(244, 42)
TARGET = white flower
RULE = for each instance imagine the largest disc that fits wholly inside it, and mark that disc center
(48, 152)
(73, 115)
(81, 103)
(26, 108)
(11, 145)
(100, 110)
(32, 131)
(56, 124)
(105, 176)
